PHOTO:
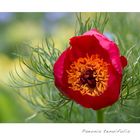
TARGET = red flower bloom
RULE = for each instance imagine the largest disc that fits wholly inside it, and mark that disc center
(90, 70)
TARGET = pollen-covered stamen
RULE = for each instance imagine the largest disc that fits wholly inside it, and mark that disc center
(87, 78)
(88, 75)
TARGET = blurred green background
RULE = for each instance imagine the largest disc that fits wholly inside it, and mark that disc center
(16, 28)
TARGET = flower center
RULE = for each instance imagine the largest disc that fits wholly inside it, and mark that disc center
(87, 78)
(89, 75)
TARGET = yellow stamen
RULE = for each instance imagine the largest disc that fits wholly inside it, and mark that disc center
(89, 75)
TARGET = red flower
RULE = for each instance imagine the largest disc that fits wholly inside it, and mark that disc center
(90, 70)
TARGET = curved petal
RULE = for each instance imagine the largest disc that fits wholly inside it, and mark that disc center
(110, 47)
(86, 44)
(123, 61)
(110, 96)
(58, 70)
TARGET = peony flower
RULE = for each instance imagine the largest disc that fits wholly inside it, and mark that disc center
(89, 71)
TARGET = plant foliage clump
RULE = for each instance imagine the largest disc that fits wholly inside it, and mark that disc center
(36, 82)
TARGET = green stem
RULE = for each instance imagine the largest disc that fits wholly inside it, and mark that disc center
(100, 116)
(70, 111)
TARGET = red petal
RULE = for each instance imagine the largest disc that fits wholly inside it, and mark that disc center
(109, 97)
(87, 44)
(110, 47)
(58, 70)
(123, 61)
